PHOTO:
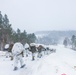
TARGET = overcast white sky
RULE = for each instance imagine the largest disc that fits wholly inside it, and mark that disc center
(37, 15)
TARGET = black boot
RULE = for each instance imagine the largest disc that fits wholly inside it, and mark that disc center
(23, 66)
(15, 68)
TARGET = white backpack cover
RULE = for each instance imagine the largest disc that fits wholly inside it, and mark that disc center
(17, 48)
(26, 45)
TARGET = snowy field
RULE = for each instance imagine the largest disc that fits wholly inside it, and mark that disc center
(63, 62)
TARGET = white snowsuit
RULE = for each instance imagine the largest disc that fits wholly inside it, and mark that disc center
(6, 46)
(6, 49)
(26, 46)
(17, 50)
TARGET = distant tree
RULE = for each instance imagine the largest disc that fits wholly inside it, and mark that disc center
(14, 37)
(8, 35)
(23, 37)
(65, 42)
(1, 23)
(73, 41)
(31, 38)
(1, 20)
(18, 34)
(7, 28)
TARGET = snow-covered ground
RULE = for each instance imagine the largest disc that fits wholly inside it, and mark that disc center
(63, 62)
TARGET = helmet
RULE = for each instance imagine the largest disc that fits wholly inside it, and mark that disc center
(32, 44)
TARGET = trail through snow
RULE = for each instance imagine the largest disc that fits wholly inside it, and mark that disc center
(59, 63)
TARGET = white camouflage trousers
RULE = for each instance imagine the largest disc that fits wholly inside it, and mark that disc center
(18, 59)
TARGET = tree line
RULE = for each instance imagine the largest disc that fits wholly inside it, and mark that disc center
(9, 35)
(71, 42)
